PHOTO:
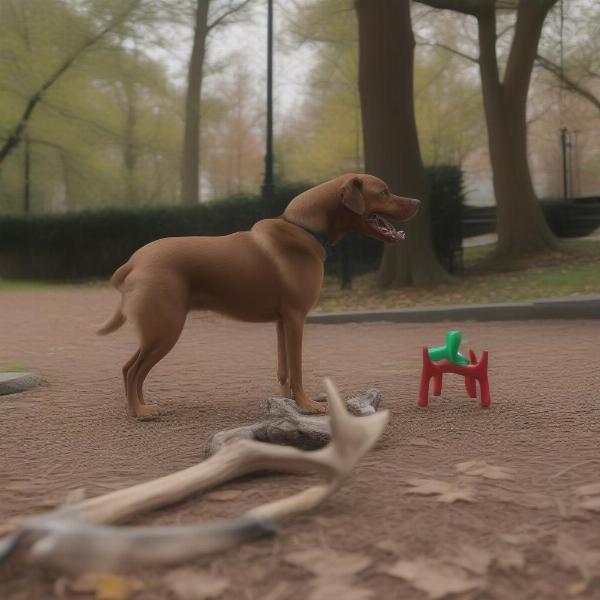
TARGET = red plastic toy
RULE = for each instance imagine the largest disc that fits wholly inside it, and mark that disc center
(475, 371)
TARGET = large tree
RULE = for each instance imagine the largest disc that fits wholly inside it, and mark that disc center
(386, 57)
(86, 42)
(89, 139)
(203, 26)
(521, 225)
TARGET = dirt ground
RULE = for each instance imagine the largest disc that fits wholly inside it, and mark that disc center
(524, 536)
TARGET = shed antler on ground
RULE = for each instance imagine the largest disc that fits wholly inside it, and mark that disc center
(82, 537)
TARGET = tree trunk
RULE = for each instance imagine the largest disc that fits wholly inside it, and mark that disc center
(521, 225)
(386, 53)
(190, 164)
(130, 155)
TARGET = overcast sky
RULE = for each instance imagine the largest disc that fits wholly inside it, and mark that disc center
(291, 67)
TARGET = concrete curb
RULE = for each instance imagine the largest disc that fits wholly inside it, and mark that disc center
(581, 307)
(14, 382)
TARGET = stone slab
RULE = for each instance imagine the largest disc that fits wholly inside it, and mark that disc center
(14, 382)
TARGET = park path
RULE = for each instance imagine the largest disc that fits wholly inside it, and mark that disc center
(543, 428)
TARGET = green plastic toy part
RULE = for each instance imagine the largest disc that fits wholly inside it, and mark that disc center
(449, 350)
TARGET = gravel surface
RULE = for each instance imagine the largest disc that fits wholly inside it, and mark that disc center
(543, 430)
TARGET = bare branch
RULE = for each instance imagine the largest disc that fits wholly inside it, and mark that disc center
(467, 7)
(572, 85)
(226, 14)
(421, 42)
(14, 139)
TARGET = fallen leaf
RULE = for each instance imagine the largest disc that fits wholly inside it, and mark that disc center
(579, 587)
(528, 500)
(434, 577)
(106, 586)
(573, 555)
(328, 563)
(84, 584)
(475, 560)
(511, 559)
(590, 489)
(591, 503)
(445, 492)
(281, 591)
(223, 495)
(479, 468)
(327, 589)
(390, 546)
(518, 539)
(187, 584)
(589, 496)
(422, 442)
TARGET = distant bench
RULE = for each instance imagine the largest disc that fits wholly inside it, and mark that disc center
(576, 217)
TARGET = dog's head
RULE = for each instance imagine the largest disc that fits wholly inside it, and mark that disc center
(367, 201)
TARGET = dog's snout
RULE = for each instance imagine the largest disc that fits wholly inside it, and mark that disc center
(416, 203)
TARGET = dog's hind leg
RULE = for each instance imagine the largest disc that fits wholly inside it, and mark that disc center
(128, 366)
(159, 317)
(148, 356)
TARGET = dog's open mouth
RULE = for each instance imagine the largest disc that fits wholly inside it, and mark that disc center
(384, 228)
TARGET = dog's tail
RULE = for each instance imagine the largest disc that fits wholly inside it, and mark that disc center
(118, 317)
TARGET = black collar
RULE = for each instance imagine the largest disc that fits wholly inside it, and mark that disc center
(320, 237)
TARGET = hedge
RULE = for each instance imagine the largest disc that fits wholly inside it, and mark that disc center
(84, 245)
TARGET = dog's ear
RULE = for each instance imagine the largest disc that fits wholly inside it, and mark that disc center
(352, 197)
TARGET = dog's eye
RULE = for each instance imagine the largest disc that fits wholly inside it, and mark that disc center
(383, 193)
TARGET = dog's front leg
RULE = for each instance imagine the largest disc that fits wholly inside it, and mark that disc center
(283, 374)
(293, 327)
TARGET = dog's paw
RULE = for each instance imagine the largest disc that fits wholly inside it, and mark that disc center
(147, 411)
(313, 408)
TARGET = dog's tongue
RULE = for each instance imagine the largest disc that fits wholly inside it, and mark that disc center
(385, 228)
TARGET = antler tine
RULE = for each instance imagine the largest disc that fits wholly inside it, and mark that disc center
(351, 437)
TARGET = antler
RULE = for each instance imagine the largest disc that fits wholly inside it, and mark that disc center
(79, 538)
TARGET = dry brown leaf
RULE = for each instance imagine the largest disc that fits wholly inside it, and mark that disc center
(590, 489)
(445, 492)
(328, 589)
(436, 578)
(223, 495)
(328, 563)
(573, 555)
(116, 587)
(475, 560)
(591, 503)
(589, 496)
(390, 546)
(281, 591)
(187, 584)
(479, 468)
(579, 587)
(517, 539)
(84, 584)
(510, 559)
(422, 442)
(106, 586)
(526, 499)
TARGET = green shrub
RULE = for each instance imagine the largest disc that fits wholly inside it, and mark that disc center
(83, 245)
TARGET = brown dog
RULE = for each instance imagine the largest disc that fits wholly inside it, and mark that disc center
(271, 273)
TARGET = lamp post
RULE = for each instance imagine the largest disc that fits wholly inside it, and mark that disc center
(564, 143)
(268, 186)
